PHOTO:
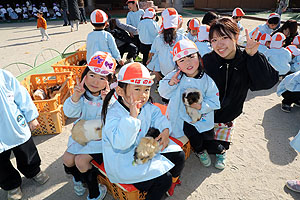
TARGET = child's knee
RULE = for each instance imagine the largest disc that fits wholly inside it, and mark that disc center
(82, 162)
(69, 159)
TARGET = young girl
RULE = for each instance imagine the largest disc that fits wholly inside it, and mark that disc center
(235, 72)
(180, 30)
(193, 26)
(190, 74)
(126, 122)
(164, 43)
(237, 15)
(86, 103)
(202, 42)
(148, 30)
(133, 18)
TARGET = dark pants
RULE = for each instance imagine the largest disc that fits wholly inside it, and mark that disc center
(290, 97)
(130, 48)
(145, 49)
(137, 43)
(82, 15)
(203, 141)
(28, 163)
(65, 16)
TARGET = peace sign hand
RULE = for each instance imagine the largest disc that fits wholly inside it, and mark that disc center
(252, 45)
(78, 90)
(174, 80)
(134, 107)
(105, 91)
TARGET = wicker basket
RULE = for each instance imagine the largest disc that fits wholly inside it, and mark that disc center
(71, 64)
(82, 48)
(119, 191)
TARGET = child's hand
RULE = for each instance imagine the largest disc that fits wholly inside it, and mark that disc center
(33, 124)
(105, 91)
(78, 90)
(252, 45)
(197, 106)
(174, 80)
(164, 138)
(121, 62)
(134, 107)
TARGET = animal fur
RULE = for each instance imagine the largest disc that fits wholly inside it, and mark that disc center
(147, 148)
(52, 91)
(190, 96)
(39, 94)
(87, 130)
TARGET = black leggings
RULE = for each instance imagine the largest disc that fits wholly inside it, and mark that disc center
(290, 97)
(145, 49)
(28, 163)
(130, 48)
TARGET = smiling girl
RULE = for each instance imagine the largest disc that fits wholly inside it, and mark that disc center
(235, 71)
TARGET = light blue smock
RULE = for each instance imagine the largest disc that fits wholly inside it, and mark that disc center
(101, 40)
(121, 135)
(164, 61)
(280, 59)
(291, 83)
(295, 143)
(263, 49)
(263, 28)
(176, 111)
(148, 30)
(295, 64)
(134, 18)
(17, 109)
(181, 31)
(191, 37)
(203, 47)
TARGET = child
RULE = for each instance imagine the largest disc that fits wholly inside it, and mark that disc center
(42, 25)
(99, 39)
(278, 56)
(264, 41)
(296, 41)
(295, 64)
(133, 18)
(86, 104)
(34, 10)
(270, 25)
(237, 15)
(180, 30)
(148, 30)
(193, 26)
(25, 11)
(44, 9)
(19, 11)
(190, 74)
(18, 118)
(3, 13)
(202, 42)
(209, 18)
(289, 89)
(125, 123)
(11, 12)
(163, 45)
(56, 11)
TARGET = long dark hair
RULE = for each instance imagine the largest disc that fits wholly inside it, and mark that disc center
(169, 36)
(224, 27)
(110, 78)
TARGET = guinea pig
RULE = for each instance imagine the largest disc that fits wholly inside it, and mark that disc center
(39, 94)
(190, 96)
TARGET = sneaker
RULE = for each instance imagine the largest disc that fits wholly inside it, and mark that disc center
(41, 178)
(285, 108)
(102, 190)
(170, 192)
(79, 189)
(293, 185)
(42, 39)
(65, 24)
(297, 104)
(14, 194)
(204, 158)
(80, 22)
(85, 22)
(220, 161)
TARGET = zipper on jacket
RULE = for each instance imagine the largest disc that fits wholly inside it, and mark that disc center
(226, 82)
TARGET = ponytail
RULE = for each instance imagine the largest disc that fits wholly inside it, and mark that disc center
(169, 36)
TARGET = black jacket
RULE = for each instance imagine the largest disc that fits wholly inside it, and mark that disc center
(235, 77)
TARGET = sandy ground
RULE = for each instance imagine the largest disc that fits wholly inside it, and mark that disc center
(259, 161)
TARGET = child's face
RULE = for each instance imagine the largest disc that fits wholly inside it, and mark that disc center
(237, 19)
(272, 26)
(286, 32)
(131, 6)
(39, 15)
(224, 46)
(95, 82)
(138, 93)
(189, 65)
(194, 32)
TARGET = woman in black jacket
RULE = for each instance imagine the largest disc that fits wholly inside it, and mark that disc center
(234, 71)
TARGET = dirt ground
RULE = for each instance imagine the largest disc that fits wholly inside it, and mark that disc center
(259, 161)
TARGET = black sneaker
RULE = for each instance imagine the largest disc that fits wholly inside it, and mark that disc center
(297, 103)
(285, 108)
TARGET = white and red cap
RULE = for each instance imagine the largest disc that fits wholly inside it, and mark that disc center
(98, 16)
(203, 33)
(149, 13)
(183, 48)
(169, 18)
(273, 15)
(102, 63)
(296, 40)
(277, 40)
(194, 24)
(258, 35)
(265, 38)
(238, 12)
(294, 50)
(135, 73)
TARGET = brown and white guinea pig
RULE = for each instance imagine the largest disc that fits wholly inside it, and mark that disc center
(52, 91)
(87, 130)
(147, 148)
(190, 96)
(39, 94)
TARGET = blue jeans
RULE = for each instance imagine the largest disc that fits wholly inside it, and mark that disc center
(65, 16)
(82, 15)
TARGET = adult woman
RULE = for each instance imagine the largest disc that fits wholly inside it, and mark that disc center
(289, 29)
(234, 72)
(74, 14)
